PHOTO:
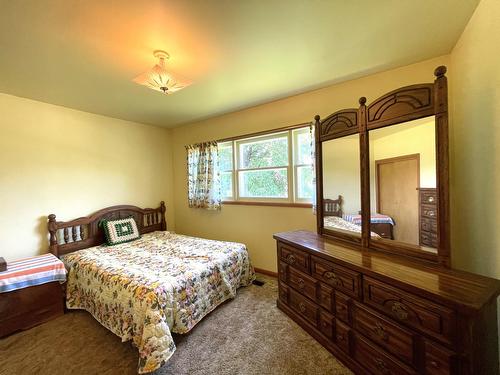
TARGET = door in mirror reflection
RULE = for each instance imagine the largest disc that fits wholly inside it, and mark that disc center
(403, 192)
(341, 185)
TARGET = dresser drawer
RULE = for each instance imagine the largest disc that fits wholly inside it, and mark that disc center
(326, 297)
(428, 225)
(339, 277)
(391, 337)
(306, 285)
(327, 324)
(438, 360)
(411, 310)
(342, 303)
(428, 211)
(306, 309)
(342, 336)
(428, 197)
(294, 257)
(428, 238)
(376, 360)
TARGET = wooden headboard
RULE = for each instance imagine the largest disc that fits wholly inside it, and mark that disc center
(333, 207)
(68, 236)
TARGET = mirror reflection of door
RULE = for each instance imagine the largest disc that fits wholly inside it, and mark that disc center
(397, 194)
(403, 194)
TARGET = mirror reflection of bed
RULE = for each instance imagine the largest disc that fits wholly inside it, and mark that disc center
(341, 183)
(342, 190)
(335, 219)
(403, 194)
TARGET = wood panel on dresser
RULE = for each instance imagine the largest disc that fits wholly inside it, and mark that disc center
(380, 314)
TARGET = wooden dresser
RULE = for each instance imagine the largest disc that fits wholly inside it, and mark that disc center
(428, 206)
(28, 307)
(384, 230)
(383, 314)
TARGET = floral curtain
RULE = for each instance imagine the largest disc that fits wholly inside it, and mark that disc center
(204, 187)
(313, 161)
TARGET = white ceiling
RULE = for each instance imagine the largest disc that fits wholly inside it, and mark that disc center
(239, 53)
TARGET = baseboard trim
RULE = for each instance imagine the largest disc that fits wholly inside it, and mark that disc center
(266, 272)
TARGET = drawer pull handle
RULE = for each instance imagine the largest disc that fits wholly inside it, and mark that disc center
(399, 310)
(291, 259)
(430, 199)
(302, 307)
(381, 332)
(434, 364)
(325, 324)
(381, 366)
(430, 213)
(301, 283)
(329, 275)
(340, 337)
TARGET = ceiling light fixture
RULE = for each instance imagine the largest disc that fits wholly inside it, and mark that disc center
(159, 79)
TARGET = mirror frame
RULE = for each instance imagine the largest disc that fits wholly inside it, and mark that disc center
(395, 107)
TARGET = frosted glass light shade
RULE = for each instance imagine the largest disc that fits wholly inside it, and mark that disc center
(159, 79)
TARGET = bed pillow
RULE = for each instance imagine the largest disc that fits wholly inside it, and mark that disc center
(120, 231)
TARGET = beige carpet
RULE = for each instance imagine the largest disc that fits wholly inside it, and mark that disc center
(247, 335)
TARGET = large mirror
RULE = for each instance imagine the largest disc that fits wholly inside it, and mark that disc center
(342, 185)
(382, 172)
(403, 194)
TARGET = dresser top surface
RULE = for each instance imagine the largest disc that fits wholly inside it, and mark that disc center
(463, 289)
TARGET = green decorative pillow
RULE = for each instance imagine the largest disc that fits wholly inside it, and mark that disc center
(120, 231)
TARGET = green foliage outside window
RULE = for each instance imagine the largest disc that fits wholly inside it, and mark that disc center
(269, 183)
(263, 166)
(267, 153)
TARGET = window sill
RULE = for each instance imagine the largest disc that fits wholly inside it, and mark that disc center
(271, 204)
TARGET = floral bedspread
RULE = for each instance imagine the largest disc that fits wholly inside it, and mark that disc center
(161, 283)
(335, 222)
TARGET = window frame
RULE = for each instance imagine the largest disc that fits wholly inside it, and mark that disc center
(223, 145)
(291, 169)
(297, 165)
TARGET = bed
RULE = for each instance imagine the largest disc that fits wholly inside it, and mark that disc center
(381, 224)
(146, 289)
(334, 218)
(338, 223)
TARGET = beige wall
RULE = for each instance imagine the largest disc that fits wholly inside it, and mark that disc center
(474, 79)
(475, 143)
(255, 225)
(341, 172)
(54, 159)
(413, 137)
(71, 163)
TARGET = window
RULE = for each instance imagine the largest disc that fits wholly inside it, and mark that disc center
(226, 169)
(276, 167)
(303, 164)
